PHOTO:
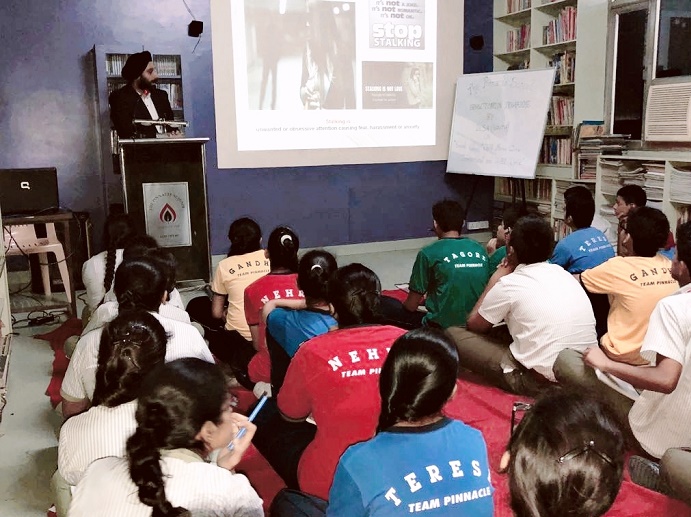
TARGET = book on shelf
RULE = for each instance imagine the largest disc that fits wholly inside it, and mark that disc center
(565, 65)
(556, 151)
(680, 184)
(518, 38)
(562, 28)
(513, 6)
(560, 111)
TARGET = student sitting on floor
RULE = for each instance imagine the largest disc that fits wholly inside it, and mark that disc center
(131, 346)
(280, 284)
(99, 271)
(451, 272)
(566, 457)
(544, 308)
(334, 378)
(183, 414)
(634, 284)
(290, 323)
(584, 248)
(226, 328)
(139, 284)
(496, 247)
(660, 418)
(416, 447)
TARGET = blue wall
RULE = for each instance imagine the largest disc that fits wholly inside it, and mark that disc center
(48, 116)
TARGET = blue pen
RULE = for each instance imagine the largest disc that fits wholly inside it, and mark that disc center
(252, 416)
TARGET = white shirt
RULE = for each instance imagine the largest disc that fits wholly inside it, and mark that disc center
(93, 275)
(149, 103)
(202, 488)
(100, 432)
(174, 298)
(546, 311)
(604, 226)
(108, 311)
(80, 378)
(660, 421)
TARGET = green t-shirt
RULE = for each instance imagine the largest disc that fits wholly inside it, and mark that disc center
(453, 273)
(496, 258)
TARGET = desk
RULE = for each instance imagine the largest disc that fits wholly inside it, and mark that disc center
(64, 217)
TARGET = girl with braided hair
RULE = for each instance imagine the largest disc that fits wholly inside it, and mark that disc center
(131, 345)
(99, 271)
(183, 414)
(139, 285)
(334, 378)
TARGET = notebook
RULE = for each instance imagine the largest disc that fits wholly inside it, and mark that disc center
(28, 191)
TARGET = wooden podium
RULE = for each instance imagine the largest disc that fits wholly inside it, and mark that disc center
(164, 191)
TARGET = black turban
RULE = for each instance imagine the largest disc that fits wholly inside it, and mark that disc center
(135, 65)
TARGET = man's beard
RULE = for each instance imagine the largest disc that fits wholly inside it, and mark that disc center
(145, 84)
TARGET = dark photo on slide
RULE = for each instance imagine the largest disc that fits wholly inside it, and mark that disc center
(394, 85)
(300, 55)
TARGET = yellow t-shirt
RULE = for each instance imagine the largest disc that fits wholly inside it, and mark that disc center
(232, 275)
(634, 285)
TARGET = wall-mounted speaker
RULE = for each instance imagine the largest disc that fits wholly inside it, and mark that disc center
(195, 28)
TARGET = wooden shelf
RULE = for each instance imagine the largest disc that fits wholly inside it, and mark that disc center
(514, 57)
(564, 88)
(535, 201)
(554, 7)
(555, 48)
(516, 18)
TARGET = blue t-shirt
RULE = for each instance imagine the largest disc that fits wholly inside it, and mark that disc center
(292, 328)
(583, 249)
(439, 469)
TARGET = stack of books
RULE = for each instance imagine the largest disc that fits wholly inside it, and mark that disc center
(556, 151)
(654, 180)
(560, 111)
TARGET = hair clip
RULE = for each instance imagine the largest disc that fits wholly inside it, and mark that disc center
(285, 238)
(316, 266)
(588, 445)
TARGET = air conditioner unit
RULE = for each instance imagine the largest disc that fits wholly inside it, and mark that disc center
(668, 113)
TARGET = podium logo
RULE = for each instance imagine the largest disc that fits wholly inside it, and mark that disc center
(167, 214)
(25, 185)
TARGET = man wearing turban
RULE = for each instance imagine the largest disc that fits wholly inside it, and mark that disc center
(139, 99)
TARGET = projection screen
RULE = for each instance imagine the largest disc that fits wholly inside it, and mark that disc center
(325, 82)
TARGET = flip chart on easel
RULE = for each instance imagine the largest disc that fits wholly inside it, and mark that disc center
(499, 122)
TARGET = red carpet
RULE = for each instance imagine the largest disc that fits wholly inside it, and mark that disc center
(56, 338)
(485, 408)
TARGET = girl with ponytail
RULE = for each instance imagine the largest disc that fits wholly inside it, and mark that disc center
(131, 345)
(99, 271)
(334, 377)
(183, 414)
(223, 316)
(279, 284)
(289, 323)
(416, 446)
(139, 285)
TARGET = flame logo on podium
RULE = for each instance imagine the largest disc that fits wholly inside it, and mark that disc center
(167, 214)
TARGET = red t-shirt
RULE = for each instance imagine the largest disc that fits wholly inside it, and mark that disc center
(335, 377)
(269, 287)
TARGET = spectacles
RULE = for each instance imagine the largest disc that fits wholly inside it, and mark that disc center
(586, 447)
(518, 406)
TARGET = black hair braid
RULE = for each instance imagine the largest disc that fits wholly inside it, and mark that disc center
(111, 255)
(144, 461)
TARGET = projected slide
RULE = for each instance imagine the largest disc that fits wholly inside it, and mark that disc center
(330, 76)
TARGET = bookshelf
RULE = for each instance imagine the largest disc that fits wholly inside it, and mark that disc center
(665, 176)
(108, 63)
(571, 36)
